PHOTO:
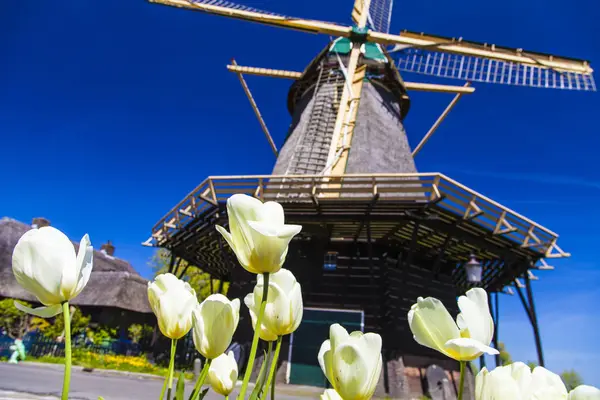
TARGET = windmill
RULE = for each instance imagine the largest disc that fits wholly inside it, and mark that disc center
(377, 233)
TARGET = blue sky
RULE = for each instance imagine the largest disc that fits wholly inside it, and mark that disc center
(111, 111)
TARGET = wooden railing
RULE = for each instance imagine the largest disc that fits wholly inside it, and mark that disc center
(449, 195)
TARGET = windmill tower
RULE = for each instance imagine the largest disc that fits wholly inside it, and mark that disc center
(376, 233)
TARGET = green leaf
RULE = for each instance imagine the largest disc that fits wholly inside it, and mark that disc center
(260, 382)
(100, 398)
(203, 394)
(180, 390)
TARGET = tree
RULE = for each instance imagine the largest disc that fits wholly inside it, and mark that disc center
(505, 357)
(531, 364)
(571, 379)
(199, 280)
(12, 320)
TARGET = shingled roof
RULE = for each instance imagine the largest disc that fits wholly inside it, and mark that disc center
(113, 283)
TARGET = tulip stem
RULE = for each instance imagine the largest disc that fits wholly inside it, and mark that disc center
(461, 384)
(273, 370)
(171, 368)
(200, 381)
(67, 376)
(252, 356)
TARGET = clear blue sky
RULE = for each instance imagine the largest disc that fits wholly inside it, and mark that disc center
(111, 111)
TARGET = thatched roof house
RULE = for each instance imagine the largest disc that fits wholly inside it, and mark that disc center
(114, 285)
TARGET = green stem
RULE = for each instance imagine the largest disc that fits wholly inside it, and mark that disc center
(200, 381)
(250, 364)
(67, 376)
(171, 368)
(273, 369)
(461, 384)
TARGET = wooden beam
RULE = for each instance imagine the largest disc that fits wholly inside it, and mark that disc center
(272, 73)
(438, 122)
(412, 86)
(430, 87)
(256, 111)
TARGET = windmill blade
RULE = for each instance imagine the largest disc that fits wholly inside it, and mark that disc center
(239, 11)
(408, 39)
(479, 69)
(380, 15)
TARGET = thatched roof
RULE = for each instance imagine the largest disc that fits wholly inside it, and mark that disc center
(113, 283)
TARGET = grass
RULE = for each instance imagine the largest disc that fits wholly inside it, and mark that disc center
(92, 360)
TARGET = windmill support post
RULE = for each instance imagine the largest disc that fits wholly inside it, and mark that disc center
(529, 307)
(438, 122)
(261, 121)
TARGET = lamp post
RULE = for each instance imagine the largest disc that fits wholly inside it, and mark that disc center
(474, 270)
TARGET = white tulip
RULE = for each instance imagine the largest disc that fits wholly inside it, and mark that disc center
(172, 301)
(223, 373)
(584, 392)
(259, 236)
(283, 311)
(351, 362)
(215, 321)
(330, 394)
(516, 381)
(433, 326)
(45, 264)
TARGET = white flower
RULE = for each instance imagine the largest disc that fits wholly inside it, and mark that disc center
(283, 311)
(516, 381)
(215, 321)
(223, 373)
(351, 362)
(330, 394)
(584, 392)
(433, 326)
(259, 237)
(45, 264)
(172, 301)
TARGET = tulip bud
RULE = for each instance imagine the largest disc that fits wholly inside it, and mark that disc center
(433, 326)
(223, 373)
(259, 237)
(283, 311)
(584, 392)
(172, 301)
(351, 362)
(215, 320)
(45, 264)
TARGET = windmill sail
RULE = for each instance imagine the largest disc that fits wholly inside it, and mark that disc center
(380, 15)
(478, 69)
(482, 62)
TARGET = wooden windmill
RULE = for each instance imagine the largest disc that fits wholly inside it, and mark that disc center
(377, 234)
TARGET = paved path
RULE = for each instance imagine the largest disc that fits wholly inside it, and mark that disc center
(44, 382)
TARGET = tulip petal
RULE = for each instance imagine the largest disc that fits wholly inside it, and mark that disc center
(43, 312)
(466, 349)
(330, 394)
(326, 361)
(521, 374)
(277, 317)
(284, 279)
(350, 367)
(241, 209)
(475, 315)
(431, 324)
(264, 333)
(546, 385)
(84, 263)
(241, 254)
(337, 335)
(480, 384)
(271, 213)
(584, 392)
(296, 306)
